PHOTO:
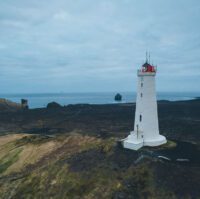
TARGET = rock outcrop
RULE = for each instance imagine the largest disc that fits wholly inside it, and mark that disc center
(7, 105)
(53, 105)
(118, 97)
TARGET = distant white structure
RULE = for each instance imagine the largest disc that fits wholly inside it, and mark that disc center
(146, 130)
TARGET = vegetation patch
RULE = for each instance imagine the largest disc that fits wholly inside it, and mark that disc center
(170, 144)
(86, 167)
(9, 159)
(33, 139)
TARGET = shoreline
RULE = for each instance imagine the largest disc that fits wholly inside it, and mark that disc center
(177, 119)
(99, 104)
(41, 100)
(115, 103)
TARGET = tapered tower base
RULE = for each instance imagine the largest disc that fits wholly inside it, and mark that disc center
(135, 143)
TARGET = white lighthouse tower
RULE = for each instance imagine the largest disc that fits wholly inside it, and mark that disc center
(146, 130)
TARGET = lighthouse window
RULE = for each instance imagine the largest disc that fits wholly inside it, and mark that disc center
(141, 95)
(140, 118)
(141, 84)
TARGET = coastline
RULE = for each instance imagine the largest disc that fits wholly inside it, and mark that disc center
(177, 119)
(40, 100)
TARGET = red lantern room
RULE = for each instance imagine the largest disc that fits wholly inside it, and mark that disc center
(148, 68)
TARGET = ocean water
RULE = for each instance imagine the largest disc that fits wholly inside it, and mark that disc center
(37, 100)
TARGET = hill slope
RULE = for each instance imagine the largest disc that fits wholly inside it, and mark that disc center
(78, 166)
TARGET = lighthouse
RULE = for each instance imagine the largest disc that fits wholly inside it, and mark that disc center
(146, 127)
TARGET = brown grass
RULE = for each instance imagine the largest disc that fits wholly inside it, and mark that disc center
(31, 154)
(9, 138)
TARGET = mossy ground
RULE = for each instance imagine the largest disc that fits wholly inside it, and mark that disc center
(78, 167)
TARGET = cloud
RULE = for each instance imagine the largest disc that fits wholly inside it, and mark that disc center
(50, 44)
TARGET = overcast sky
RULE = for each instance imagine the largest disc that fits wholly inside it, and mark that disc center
(97, 45)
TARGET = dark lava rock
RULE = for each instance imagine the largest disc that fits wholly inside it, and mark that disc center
(7, 105)
(97, 158)
(24, 103)
(120, 195)
(118, 97)
(53, 105)
(182, 180)
(87, 160)
(184, 153)
(123, 158)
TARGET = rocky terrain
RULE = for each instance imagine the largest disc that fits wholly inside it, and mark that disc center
(7, 105)
(74, 152)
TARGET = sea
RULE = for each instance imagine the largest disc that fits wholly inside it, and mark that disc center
(39, 100)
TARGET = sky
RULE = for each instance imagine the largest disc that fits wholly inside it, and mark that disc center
(97, 45)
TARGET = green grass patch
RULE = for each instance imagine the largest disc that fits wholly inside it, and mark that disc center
(9, 159)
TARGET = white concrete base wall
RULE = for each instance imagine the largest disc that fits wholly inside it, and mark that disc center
(132, 141)
(129, 144)
(156, 142)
